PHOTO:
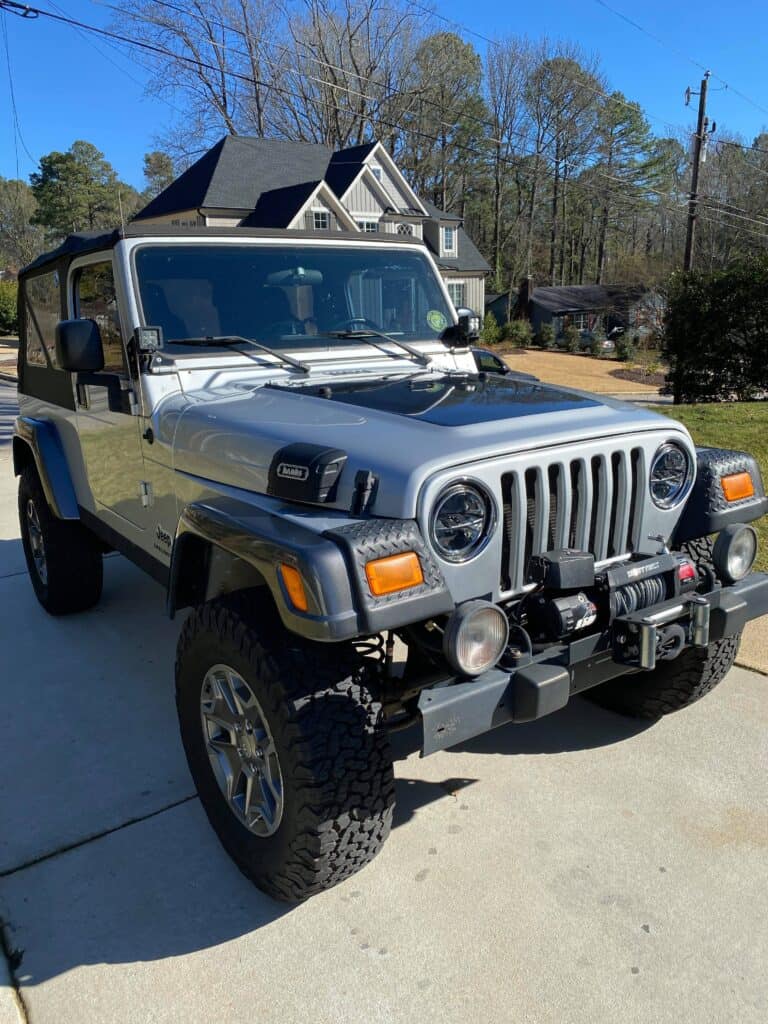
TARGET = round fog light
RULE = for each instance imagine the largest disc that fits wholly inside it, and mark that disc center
(475, 637)
(735, 552)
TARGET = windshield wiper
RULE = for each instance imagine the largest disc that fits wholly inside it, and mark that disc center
(213, 340)
(368, 332)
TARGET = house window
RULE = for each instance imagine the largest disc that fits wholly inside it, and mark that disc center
(370, 227)
(457, 291)
(321, 220)
(449, 241)
(376, 172)
(405, 229)
(579, 320)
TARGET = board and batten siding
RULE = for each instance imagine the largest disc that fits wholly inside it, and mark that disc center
(362, 199)
(474, 290)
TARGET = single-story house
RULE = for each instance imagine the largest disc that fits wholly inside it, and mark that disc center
(591, 307)
(498, 304)
(273, 183)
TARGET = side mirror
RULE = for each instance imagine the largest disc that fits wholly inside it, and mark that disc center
(465, 331)
(78, 346)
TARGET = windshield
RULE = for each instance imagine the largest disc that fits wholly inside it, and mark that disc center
(292, 296)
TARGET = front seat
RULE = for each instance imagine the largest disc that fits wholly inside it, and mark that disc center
(274, 316)
(157, 313)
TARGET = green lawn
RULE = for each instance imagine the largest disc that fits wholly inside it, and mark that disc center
(740, 425)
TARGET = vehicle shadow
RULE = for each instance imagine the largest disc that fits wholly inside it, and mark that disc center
(106, 855)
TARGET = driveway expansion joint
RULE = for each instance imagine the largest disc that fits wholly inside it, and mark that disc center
(92, 838)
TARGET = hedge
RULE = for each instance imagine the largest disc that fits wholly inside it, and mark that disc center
(716, 334)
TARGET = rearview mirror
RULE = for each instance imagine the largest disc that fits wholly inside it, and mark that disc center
(78, 346)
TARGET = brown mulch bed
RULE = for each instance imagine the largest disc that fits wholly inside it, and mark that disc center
(639, 375)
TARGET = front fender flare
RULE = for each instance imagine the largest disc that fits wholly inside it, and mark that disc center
(264, 540)
(39, 439)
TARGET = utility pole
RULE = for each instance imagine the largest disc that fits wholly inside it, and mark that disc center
(698, 144)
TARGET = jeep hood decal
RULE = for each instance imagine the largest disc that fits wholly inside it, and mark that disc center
(402, 430)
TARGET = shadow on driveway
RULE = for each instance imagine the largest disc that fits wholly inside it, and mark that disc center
(91, 752)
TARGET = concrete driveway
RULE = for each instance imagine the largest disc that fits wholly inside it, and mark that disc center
(580, 869)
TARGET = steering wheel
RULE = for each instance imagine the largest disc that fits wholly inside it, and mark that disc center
(278, 328)
(356, 323)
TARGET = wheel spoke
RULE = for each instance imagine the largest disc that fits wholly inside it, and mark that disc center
(241, 750)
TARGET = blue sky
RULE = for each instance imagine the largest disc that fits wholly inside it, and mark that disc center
(70, 87)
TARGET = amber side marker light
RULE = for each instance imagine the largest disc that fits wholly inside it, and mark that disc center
(737, 486)
(396, 572)
(295, 587)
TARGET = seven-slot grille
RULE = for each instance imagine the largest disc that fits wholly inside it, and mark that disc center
(593, 503)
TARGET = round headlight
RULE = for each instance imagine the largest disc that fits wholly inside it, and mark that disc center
(475, 637)
(671, 475)
(462, 521)
(734, 552)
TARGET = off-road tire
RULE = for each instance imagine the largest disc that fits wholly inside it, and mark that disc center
(336, 765)
(74, 565)
(672, 685)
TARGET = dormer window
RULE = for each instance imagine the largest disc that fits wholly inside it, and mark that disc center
(448, 238)
(321, 220)
(404, 228)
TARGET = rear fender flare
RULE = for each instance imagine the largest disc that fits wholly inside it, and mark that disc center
(37, 442)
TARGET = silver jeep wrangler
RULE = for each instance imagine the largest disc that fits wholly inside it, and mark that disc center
(290, 433)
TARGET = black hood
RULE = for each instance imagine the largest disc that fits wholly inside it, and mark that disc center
(454, 400)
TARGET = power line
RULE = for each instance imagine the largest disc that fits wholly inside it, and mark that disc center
(17, 133)
(15, 7)
(629, 202)
(345, 89)
(673, 49)
(740, 145)
(370, 81)
(114, 63)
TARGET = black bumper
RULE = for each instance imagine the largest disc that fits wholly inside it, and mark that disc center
(453, 711)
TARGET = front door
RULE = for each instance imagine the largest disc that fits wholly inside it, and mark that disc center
(109, 433)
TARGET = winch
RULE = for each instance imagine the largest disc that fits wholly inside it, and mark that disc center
(571, 597)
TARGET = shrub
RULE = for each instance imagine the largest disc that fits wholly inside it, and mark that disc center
(716, 334)
(596, 345)
(545, 337)
(625, 348)
(572, 339)
(9, 323)
(491, 333)
(519, 333)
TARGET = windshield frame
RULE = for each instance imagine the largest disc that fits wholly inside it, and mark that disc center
(299, 240)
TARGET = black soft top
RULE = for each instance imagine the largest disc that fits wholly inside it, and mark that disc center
(84, 242)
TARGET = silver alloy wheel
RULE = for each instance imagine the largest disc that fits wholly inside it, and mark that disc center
(36, 543)
(241, 750)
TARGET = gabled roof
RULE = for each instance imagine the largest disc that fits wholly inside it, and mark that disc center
(276, 209)
(235, 172)
(345, 166)
(468, 259)
(437, 214)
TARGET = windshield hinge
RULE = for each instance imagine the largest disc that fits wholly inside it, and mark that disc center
(145, 493)
(127, 389)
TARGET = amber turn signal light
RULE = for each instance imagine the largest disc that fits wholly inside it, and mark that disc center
(396, 572)
(295, 586)
(737, 486)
